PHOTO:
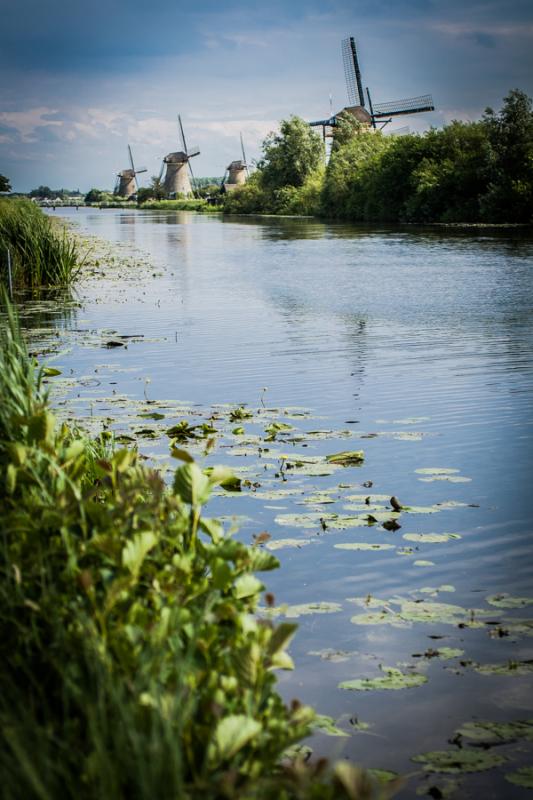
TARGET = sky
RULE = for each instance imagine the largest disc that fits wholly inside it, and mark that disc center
(80, 80)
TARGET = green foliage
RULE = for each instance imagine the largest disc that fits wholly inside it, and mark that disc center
(133, 661)
(155, 191)
(5, 185)
(466, 172)
(291, 155)
(94, 196)
(41, 253)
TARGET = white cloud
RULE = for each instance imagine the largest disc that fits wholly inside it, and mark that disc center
(27, 122)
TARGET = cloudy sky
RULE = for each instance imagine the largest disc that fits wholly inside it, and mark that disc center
(79, 80)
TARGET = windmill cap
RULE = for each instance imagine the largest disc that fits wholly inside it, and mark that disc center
(179, 157)
(237, 165)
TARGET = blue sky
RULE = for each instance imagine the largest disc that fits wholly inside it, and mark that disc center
(79, 80)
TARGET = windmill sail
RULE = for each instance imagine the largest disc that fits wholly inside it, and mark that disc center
(352, 73)
(411, 105)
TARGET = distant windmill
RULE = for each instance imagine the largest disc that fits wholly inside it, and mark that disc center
(237, 172)
(382, 112)
(127, 183)
(178, 168)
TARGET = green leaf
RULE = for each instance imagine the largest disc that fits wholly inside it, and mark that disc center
(51, 372)
(192, 485)
(231, 735)
(247, 586)
(136, 551)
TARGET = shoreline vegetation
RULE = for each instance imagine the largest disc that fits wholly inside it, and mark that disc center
(464, 173)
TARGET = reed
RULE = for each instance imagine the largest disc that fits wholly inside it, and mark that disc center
(42, 254)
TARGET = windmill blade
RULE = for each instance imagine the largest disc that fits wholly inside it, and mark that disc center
(183, 142)
(411, 105)
(244, 161)
(193, 179)
(352, 72)
(194, 151)
(162, 169)
(131, 158)
(141, 169)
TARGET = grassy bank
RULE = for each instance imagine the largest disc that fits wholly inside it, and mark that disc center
(163, 205)
(134, 664)
(41, 253)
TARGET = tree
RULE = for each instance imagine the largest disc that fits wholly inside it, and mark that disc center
(291, 155)
(42, 191)
(510, 132)
(5, 185)
(94, 196)
(155, 191)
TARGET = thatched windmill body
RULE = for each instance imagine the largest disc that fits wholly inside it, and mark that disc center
(127, 183)
(179, 172)
(379, 113)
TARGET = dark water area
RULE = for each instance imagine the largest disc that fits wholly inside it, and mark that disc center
(417, 343)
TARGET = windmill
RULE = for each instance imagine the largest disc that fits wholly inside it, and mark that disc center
(375, 113)
(178, 168)
(127, 184)
(237, 172)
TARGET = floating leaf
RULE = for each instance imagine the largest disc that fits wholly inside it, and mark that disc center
(394, 679)
(430, 538)
(436, 471)
(510, 669)
(326, 725)
(347, 458)
(422, 563)
(279, 544)
(457, 761)
(50, 372)
(522, 777)
(293, 612)
(507, 601)
(496, 732)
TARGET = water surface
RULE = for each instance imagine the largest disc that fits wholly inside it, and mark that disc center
(421, 336)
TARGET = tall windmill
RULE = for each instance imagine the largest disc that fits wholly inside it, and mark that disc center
(237, 172)
(127, 184)
(179, 172)
(375, 113)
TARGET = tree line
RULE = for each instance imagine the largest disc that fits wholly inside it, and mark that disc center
(465, 172)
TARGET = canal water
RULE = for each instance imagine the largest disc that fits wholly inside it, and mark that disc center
(412, 345)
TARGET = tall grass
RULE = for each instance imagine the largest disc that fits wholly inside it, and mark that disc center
(41, 254)
(134, 665)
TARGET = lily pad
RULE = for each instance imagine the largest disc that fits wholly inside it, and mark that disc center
(347, 458)
(304, 609)
(507, 601)
(303, 520)
(496, 732)
(393, 679)
(436, 471)
(421, 563)
(280, 544)
(510, 669)
(522, 777)
(458, 761)
(430, 538)
(324, 724)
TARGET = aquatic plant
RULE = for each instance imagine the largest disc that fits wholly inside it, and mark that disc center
(133, 660)
(41, 253)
